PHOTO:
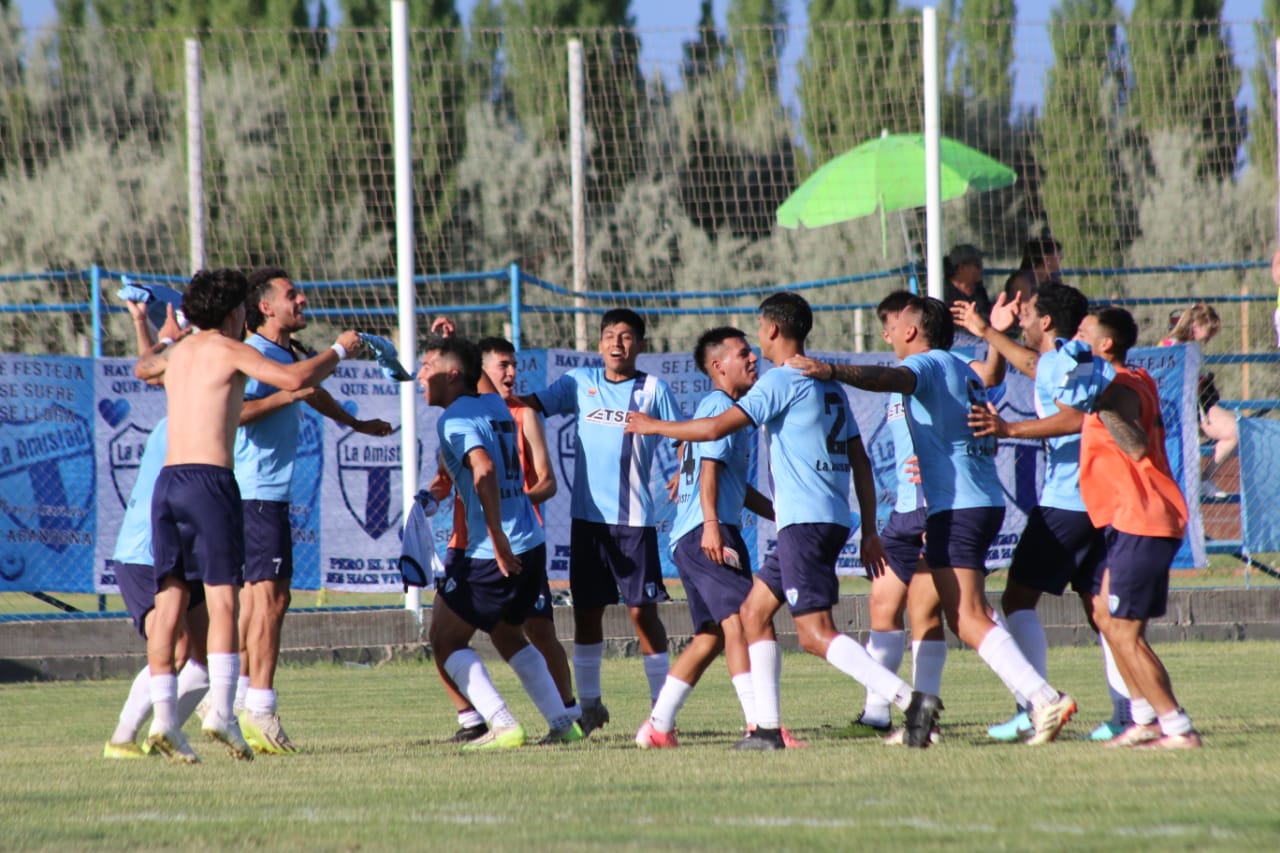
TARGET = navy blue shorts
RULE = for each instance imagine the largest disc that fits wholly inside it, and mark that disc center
(959, 538)
(903, 540)
(541, 607)
(1139, 568)
(715, 591)
(197, 525)
(476, 589)
(1057, 548)
(268, 542)
(801, 570)
(138, 587)
(612, 561)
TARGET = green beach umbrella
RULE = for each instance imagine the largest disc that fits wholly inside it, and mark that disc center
(887, 174)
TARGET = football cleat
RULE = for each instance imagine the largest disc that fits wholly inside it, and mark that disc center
(173, 746)
(511, 737)
(1049, 719)
(571, 733)
(1015, 728)
(229, 735)
(762, 739)
(126, 750)
(594, 716)
(1136, 735)
(650, 738)
(264, 733)
(922, 716)
(860, 728)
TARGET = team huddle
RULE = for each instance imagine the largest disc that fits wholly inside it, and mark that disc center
(1109, 522)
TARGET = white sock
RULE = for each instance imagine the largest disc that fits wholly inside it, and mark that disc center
(1000, 652)
(998, 618)
(1176, 722)
(927, 660)
(656, 668)
(260, 701)
(531, 668)
(886, 649)
(242, 690)
(164, 701)
(468, 673)
(671, 699)
(766, 666)
(193, 684)
(586, 671)
(135, 710)
(1143, 713)
(746, 696)
(224, 669)
(852, 659)
(1028, 633)
(470, 718)
(1120, 713)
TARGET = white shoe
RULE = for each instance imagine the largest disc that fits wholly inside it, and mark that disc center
(228, 734)
(172, 745)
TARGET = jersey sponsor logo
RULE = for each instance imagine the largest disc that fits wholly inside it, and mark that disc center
(124, 452)
(606, 417)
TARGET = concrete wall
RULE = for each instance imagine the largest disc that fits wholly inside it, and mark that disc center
(58, 649)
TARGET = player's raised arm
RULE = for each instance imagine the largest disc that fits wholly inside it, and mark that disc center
(699, 429)
(868, 377)
(545, 485)
(322, 401)
(1021, 357)
(293, 377)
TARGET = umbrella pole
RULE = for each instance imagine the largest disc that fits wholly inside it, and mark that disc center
(912, 283)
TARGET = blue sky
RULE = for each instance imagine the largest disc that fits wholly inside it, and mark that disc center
(664, 24)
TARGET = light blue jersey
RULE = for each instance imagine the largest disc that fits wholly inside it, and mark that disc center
(485, 422)
(734, 450)
(266, 448)
(1071, 375)
(809, 426)
(611, 470)
(957, 469)
(909, 495)
(133, 542)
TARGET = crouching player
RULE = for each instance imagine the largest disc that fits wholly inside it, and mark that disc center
(708, 547)
(490, 584)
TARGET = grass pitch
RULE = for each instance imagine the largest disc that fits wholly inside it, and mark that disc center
(377, 775)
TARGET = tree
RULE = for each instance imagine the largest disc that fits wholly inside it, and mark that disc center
(757, 35)
(984, 65)
(860, 74)
(1185, 77)
(1078, 161)
(1262, 122)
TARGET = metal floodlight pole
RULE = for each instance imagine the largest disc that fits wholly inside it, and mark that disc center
(195, 157)
(404, 265)
(577, 188)
(932, 152)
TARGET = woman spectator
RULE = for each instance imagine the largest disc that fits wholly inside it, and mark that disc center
(1199, 324)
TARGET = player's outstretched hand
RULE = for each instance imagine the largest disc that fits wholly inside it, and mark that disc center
(874, 558)
(638, 423)
(912, 469)
(174, 326)
(713, 542)
(811, 367)
(966, 315)
(373, 427)
(1005, 312)
(984, 421)
(444, 327)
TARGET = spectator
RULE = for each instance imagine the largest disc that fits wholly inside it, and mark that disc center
(1042, 257)
(962, 268)
(1199, 324)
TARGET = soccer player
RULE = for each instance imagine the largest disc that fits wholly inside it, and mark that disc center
(1060, 547)
(707, 542)
(813, 446)
(498, 361)
(1131, 495)
(613, 538)
(265, 451)
(492, 581)
(908, 585)
(196, 514)
(963, 495)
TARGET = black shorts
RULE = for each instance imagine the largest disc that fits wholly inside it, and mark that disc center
(715, 591)
(1057, 548)
(197, 525)
(476, 589)
(268, 542)
(1139, 569)
(138, 587)
(801, 570)
(903, 540)
(960, 538)
(612, 561)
